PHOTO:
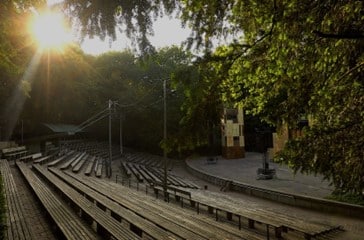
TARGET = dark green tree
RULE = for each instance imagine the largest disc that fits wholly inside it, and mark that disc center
(296, 59)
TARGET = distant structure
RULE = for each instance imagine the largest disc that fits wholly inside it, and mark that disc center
(283, 134)
(232, 133)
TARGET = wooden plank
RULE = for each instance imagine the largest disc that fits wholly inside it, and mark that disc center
(66, 220)
(90, 165)
(149, 228)
(61, 159)
(77, 160)
(69, 161)
(173, 219)
(126, 169)
(76, 165)
(31, 157)
(103, 219)
(18, 225)
(98, 168)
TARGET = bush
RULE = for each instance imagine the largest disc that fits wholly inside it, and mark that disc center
(347, 198)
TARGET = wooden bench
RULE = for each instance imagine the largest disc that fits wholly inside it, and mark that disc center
(107, 226)
(116, 210)
(17, 226)
(30, 157)
(280, 222)
(14, 153)
(98, 168)
(90, 165)
(179, 193)
(67, 222)
(126, 169)
(61, 159)
(184, 224)
(76, 165)
(135, 172)
(44, 159)
(69, 161)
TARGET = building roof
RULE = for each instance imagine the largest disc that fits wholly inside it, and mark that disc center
(70, 129)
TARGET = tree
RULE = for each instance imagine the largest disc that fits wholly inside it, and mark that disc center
(15, 52)
(135, 18)
(296, 59)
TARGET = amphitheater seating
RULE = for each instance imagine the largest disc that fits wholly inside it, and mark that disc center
(45, 159)
(14, 152)
(280, 222)
(30, 157)
(183, 224)
(17, 226)
(91, 163)
(117, 211)
(66, 220)
(152, 175)
(61, 158)
(106, 225)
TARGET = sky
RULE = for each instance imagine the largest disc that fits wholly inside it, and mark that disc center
(167, 32)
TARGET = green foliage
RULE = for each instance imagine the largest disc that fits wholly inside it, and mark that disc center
(347, 198)
(295, 59)
(135, 18)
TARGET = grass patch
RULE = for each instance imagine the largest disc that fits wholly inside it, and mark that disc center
(347, 198)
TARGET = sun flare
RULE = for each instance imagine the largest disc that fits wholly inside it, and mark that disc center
(50, 31)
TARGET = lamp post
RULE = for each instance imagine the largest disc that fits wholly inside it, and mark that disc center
(165, 138)
(108, 165)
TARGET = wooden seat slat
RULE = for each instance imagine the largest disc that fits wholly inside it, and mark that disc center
(90, 165)
(66, 220)
(131, 204)
(17, 223)
(102, 218)
(171, 215)
(148, 227)
(61, 159)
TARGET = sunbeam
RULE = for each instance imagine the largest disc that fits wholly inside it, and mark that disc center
(15, 103)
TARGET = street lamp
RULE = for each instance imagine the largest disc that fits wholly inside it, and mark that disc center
(165, 138)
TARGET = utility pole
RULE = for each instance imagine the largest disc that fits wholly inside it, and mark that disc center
(22, 131)
(165, 140)
(108, 165)
(121, 133)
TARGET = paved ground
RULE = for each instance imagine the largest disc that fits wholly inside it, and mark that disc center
(244, 170)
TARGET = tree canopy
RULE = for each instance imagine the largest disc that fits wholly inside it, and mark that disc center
(296, 59)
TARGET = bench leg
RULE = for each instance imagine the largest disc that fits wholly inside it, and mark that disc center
(210, 209)
(156, 193)
(229, 216)
(193, 203)
(307, 236)
(251, 223)
(278, 232)
(239, 222)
